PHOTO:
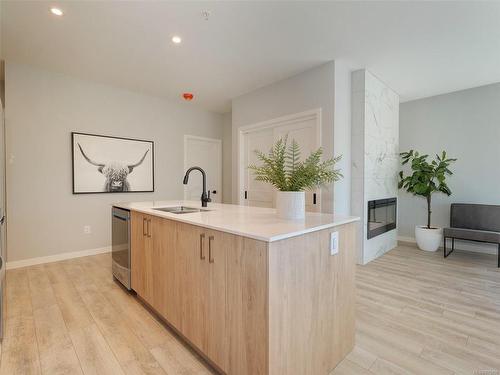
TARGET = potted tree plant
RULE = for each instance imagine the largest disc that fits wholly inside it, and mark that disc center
(426, 179)
(282, 167)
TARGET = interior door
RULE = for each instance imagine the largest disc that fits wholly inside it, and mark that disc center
(207, 154)
(256, 193)
(305, 131)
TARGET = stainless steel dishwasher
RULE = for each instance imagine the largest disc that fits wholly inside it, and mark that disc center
(121, 245)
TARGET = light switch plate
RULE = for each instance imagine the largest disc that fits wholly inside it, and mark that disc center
(334, 243)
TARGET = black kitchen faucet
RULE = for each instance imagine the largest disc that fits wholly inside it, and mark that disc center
(205, 198)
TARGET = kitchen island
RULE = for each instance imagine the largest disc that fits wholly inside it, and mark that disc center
(253, 294)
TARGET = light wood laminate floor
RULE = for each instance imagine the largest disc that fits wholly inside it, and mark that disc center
(417, 314)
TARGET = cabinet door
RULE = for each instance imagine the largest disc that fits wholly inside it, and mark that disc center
(190, 281)
(216, 345)
(163, 269)
(247, 306)
(140, 253)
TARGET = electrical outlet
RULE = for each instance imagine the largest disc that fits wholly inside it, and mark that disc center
(87, 229)
(334, 243)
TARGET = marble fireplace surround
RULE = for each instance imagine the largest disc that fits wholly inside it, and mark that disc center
(375, 156)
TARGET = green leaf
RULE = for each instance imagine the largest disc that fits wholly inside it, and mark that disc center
(283, 169)
(426, 177)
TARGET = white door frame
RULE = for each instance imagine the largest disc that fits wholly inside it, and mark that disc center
(187, 137)
(273, 123)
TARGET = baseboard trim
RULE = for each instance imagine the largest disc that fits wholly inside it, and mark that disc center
(402, 240)
(459, 245)
(56, 257)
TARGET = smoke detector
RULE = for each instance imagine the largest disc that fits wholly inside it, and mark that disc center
(205, 14)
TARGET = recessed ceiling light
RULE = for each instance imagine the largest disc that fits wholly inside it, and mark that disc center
(176, 39)
(56, 11)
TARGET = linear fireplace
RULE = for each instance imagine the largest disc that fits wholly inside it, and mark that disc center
(382, 215)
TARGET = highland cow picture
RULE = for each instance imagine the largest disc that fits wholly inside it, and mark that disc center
(103, 164)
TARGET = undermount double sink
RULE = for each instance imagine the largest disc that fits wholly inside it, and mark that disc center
(180, 209)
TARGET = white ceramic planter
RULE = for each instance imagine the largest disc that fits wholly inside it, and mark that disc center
(428, 239)
(291, 205)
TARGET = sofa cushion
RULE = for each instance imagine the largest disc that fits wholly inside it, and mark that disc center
(472, 234)
(475, 216)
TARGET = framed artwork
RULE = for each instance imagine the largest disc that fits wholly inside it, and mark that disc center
(103, 164)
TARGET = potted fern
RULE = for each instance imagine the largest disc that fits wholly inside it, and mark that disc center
(282, 167)
(426, 179)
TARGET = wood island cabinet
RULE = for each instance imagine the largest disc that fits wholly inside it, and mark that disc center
(141, 254)
(189, 282)
(215, 286)
(180, 271)
(249, 307)
(163, 279)
(153, 253)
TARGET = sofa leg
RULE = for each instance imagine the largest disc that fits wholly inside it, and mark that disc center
(499, 255)
(444, 248)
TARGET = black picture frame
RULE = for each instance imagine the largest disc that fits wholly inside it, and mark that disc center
(73, 134)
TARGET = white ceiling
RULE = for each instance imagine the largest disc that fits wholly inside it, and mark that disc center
(418, 48)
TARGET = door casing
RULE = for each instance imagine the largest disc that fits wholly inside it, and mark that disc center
(218, 143)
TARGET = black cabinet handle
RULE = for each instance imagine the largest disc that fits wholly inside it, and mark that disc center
(202, 240)
(246, 194)
(314, 198)
(210, 255)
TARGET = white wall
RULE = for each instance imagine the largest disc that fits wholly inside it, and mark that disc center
(309, 90)
(375, 159)
(466, 125)
(42, 108)
(342, 136)
(227, 140)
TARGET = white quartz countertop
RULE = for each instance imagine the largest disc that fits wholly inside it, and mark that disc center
(253, 222)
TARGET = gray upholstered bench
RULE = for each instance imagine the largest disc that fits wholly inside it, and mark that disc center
(473, 222)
